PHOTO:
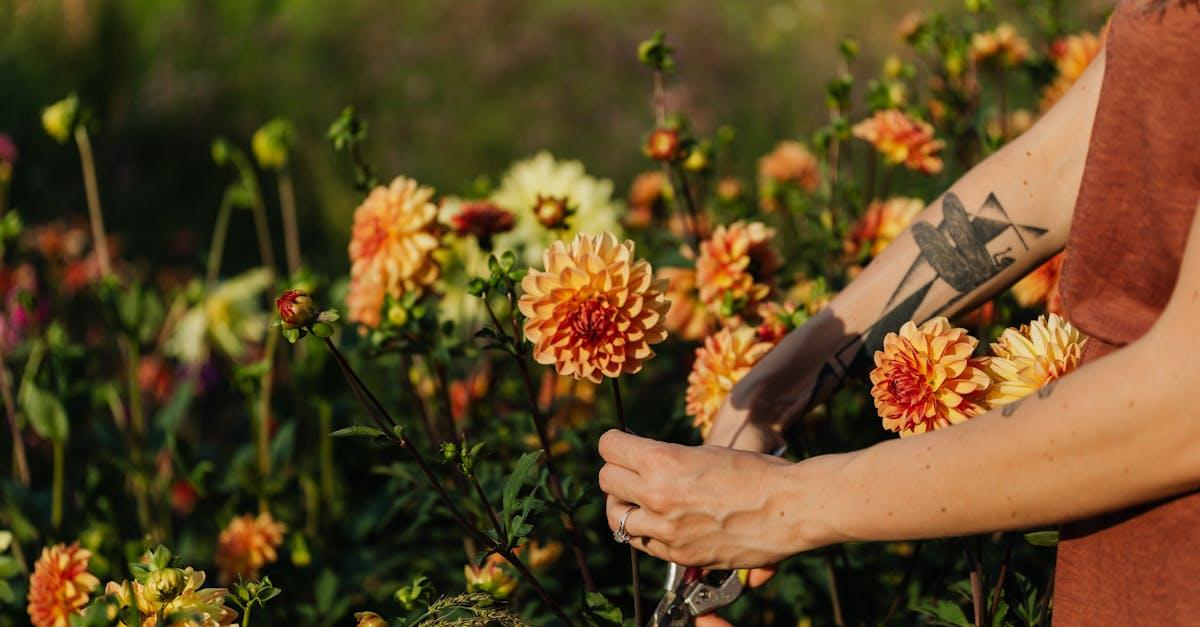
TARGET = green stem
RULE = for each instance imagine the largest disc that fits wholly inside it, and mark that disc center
(264, 421)
(217, 249)
(257, 207)
(20, 462)
(246, 616)
(137, 435)
(291, 230)
(56, 505)
(501, 535)
(633, 555)
(88, 163)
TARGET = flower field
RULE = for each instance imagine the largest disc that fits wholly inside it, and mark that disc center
(396, 424)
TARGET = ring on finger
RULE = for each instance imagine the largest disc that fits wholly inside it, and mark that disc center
(621, 536)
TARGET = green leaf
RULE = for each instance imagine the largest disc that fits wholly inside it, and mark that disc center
(8, 567)
(1042, 538)
(356, 431)
(322, 329)
(516, 480)
(46, 414)
(602, 610)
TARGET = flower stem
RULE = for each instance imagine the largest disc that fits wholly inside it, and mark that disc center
(633, 555)
(264, 421)
(217, 249)
(88, 162)
(834, 598)
(137, 435)
(1009, 545)
(971, 549)
(291, 230)
(691, 217)
(257, 207)
(539, 422)
(381, 417)
(20, 462)
(56, 504)
(406, 364)
(501, 535)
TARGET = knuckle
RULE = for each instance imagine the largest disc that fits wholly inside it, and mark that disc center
(605, 478)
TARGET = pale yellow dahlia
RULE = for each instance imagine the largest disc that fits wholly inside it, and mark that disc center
(247, 544)
(902, 140)
(595, 310)
(738, 265)
(1040, 287)
(540, 179)
(1072, 55)
(391, 247)
(688, 317)
(725, 358)
(60, 585)
(1026, 359)
(1004, 44)
(925, 378)
(190, 606)
(880, 224)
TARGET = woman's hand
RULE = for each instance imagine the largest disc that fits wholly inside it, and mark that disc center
(705, 506)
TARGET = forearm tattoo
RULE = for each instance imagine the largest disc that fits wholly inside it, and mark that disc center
(1043, 392)
(962, 253)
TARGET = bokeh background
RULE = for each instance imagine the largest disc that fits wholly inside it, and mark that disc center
(452, 90)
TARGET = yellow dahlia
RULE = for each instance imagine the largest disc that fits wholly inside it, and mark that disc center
(542, 177)
(788, 163)
(925, 378)
(595, 310)
(1040, 287)
(1028, 358)
(391, 247)
(192, 606)
(725, 358)
(902, 140)
(688, 317)
(736, 267)
(1072, 54)
(880, 224)
(60, 585)
(247, 544)
(1003, 44)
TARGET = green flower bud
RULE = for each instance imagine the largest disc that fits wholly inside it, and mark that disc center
(164, 584)
(59, 119)
(272, 142)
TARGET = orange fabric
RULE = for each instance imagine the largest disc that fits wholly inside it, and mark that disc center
(1135, 208)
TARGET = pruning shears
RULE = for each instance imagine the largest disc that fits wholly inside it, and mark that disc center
(691, 592)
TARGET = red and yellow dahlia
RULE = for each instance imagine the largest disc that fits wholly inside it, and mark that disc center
(725, 358)
(391, 247)
(925, 378)
(60, 585)
(737, 264)
(595, 310)
(880, 224)
(902, 140)
(1040, 287)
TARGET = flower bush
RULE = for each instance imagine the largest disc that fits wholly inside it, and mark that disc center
(422, 461)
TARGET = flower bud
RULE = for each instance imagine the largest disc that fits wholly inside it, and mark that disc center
(664, 144)
(552, 211)
(449, 451)
(370, 619)
(59, 118)
(164, 584)
(296, 308)
(482, 219)
(271, 143)
(397, 315)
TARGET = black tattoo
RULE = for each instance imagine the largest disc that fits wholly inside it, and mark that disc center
(1011, 408)
(1043, 392)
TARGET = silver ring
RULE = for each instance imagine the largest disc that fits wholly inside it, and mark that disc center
(620, 536)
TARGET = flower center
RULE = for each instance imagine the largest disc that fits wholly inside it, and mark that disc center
(908, 386)
(591, 321)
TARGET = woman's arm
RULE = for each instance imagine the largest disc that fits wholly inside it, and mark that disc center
(993, 226)
(1121, 431)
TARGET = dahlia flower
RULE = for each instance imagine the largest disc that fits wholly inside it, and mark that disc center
(60, 585)
(247, 544)
(647, 195)
(1040, 287)
(725, 358)
(688, 317)
(369, 619)
(880, 224)
(902, 140)
(925, 378)
(595, 310)
(1028, 358)
(1072, 54)
(391, 246)
(482, 220)
(790, 162)
(595, 211)
(1003, 44)
(664, 144)
(777, 320)
(230, 317)
(192, 606)
(493, 577)
(736, 265)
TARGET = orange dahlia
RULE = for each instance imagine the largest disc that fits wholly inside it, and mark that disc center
(737, 267)
(595, 310)
(647, 195)
(790, 162)
(391, 247)
(1003, 44)
(902, 139)
(725, 358)
(60, 585)
(1028, 358)
(777, 320)
(880, 224)
(247, 544)
(1040, 287)
(1072, 54)
(925, 378)
(687, 318)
